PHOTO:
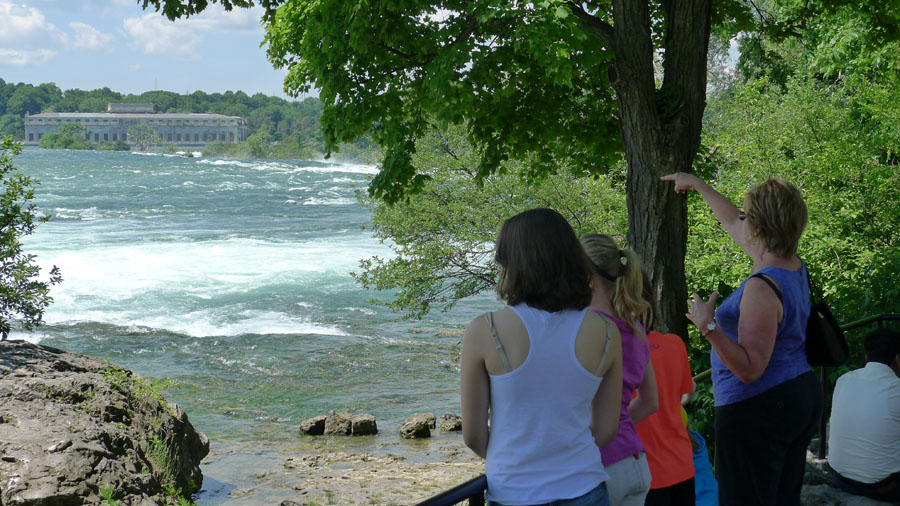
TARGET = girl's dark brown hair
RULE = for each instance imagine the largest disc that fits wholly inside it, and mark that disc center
(542, 263)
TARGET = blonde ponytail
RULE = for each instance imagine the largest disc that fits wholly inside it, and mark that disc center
(626, 277)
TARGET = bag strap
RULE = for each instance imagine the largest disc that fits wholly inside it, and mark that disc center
(500, 350)
(605, 347)
(771, 284)
(814, 292)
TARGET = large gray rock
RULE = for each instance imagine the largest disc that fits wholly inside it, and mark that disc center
(71, 425)
(451, 423)
(338, 424)
(363, 425)
(417, 426)
(314, 426)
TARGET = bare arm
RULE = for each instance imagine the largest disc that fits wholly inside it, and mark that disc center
(760, 312)
(647, 400)
(475, 388)
(688, 397)
(607, 401)
(725, 211)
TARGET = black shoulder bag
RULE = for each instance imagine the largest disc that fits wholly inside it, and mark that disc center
(825, 342)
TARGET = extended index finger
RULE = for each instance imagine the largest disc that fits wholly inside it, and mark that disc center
(669, 177)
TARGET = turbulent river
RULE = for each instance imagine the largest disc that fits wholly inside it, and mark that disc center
(231, 280)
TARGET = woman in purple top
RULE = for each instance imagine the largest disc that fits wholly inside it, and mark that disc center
(768, 401)
(617, 286)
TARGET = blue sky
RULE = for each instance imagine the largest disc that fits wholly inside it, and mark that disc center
(90, 44)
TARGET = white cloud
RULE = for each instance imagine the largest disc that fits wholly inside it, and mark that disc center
(135, 67)
(27, 38)
(20, 57)
(23, 24)
(155, 34)
(219, 20)
(87, 37)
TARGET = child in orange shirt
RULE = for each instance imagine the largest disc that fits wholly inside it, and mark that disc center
(666, 439)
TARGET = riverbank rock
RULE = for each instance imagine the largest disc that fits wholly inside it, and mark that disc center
(75, 429)
(418, 426)
(451, 423)
(363, 425)
(314, 426)
(338, 424)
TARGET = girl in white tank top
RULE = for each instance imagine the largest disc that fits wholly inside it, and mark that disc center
(544, 374)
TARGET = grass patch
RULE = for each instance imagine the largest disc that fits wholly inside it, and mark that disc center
(108, 494)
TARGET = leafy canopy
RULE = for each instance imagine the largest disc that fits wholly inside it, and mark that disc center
(528, 79)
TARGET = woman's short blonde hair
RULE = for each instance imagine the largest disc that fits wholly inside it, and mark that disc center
(776, 212)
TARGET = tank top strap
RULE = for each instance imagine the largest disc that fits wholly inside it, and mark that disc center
(497, 343)
(605, 347)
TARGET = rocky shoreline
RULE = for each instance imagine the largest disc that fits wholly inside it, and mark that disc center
(79, 430)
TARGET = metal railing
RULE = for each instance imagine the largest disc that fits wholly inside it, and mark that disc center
(473, 490)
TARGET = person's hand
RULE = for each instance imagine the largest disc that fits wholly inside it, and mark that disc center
(683, 181)
(699, 312)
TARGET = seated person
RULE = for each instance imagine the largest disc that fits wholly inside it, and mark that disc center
(864, 439)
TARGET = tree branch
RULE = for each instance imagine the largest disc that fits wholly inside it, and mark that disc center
(467, 31)
(601, 29)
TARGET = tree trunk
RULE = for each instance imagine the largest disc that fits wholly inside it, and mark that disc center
(661, 134)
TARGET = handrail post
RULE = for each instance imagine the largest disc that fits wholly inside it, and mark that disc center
(823, 420)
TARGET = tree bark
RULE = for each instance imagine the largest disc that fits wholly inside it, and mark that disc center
(661, 134)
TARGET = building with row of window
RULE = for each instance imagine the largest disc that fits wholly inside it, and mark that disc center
(182, 129)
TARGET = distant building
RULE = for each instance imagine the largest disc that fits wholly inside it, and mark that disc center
(182, 129)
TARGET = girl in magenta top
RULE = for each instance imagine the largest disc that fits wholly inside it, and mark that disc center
(617, 285)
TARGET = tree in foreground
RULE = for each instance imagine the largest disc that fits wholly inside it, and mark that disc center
(23, 296)
(443, 239)
(542, 80)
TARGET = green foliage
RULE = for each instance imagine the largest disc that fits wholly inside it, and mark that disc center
(12, 124)
(839, 146)
(526, 80)
(76, 136)
(112, 146)
(143, 136)
(135, 387)
(108, 494)
(225, 149)
(69, 136)
(444, 238)
(259, 145)
(23, 295)
(162, 456)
